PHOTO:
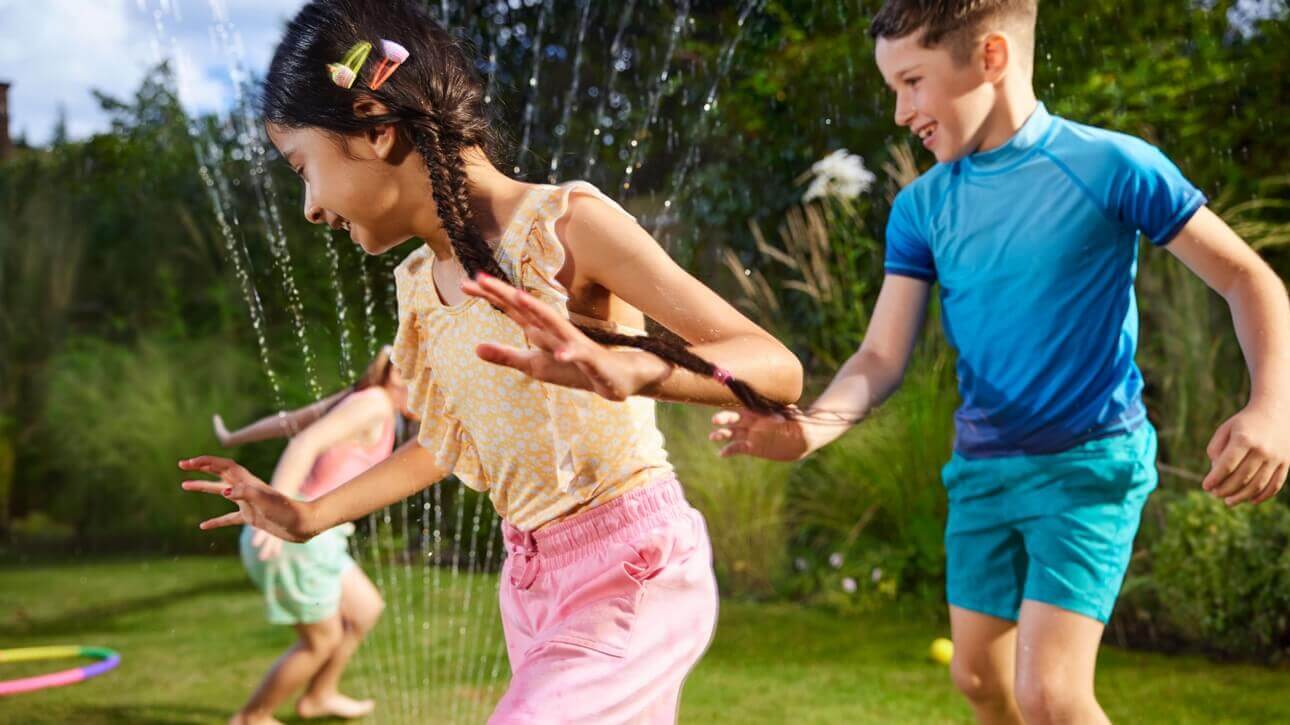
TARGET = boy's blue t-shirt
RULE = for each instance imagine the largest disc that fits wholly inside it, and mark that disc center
(1034, 245)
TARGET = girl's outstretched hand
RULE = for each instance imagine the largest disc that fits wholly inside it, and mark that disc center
(258, 504)
(560, 352)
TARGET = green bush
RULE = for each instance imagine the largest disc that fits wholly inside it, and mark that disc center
(875, 499)
(742, 499)
(118, 418)
(1222, 576)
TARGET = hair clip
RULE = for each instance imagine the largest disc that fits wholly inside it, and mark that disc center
(346, 71)
(392, 56)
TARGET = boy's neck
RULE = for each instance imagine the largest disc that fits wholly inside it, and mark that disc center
(1010, 113)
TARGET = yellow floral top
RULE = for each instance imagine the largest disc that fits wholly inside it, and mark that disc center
(541, 452)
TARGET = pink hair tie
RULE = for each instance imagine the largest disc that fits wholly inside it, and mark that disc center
(721, 375)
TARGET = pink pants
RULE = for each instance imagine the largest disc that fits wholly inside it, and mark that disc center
(606, 613)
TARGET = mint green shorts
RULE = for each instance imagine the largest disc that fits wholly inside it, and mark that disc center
(1056, 528)
(301, 584)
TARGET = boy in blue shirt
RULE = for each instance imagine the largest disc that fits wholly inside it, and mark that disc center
(1028, 225)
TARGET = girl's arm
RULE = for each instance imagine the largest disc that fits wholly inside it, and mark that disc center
(411, 468)
(1251, 450)
(607, 248)
(278, 425)
(349, 420)
(867, 378)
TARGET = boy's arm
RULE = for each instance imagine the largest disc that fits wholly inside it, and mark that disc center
(868, 377)
(1250, 452)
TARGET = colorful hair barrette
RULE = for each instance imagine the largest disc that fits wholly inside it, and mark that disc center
(392, 56)
(346, 71)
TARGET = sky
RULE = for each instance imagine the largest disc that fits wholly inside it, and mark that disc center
(55, 51)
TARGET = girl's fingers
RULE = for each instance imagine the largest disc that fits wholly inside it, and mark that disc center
(545, 318)
(258, 537)
(209, 464)
(1275, 484)
(502, 303)
(232, 519)
(216, 487)
(506, 356)
(721, 434)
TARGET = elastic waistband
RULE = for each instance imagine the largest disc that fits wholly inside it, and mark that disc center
(620, 520)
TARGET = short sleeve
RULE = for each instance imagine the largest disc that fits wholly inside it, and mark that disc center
(908, 252)
(1150, 194)
(406, 350)
(438, 431)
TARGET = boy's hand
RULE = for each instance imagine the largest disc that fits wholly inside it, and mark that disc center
(1250, 455)
(258, 504)
(765, 436)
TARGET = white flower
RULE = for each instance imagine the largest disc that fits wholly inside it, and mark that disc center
(799, 564)
(876, 575)
(849, 585)
(835, 560)
(839, 174)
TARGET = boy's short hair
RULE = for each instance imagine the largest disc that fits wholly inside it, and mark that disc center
(958, 24)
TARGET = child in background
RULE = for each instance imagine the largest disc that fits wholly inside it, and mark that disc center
(315, 586)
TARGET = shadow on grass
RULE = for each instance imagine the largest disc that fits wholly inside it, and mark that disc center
(98, 616)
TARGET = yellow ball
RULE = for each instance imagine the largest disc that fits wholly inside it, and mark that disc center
(942, 650)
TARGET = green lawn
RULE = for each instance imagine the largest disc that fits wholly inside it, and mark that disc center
(194, 642)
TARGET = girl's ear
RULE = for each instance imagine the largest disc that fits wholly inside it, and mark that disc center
(383, 138)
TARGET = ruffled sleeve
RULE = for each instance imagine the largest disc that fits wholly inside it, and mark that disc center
(438, 431)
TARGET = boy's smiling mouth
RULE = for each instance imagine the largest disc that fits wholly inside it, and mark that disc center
(926, 131)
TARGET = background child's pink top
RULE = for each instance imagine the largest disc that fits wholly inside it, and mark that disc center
(542, 452)
(344, 461)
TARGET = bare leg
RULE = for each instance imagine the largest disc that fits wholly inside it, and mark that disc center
(1056, 660)
(984, 664)
(318, 641)
(360, 608)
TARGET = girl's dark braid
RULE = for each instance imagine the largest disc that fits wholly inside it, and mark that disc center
(441, 149)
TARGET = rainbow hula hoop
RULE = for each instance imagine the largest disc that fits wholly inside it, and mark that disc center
(107, 659)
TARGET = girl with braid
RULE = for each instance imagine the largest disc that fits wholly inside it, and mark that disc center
(520, 338)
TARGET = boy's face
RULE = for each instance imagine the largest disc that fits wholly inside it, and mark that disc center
(945, 103)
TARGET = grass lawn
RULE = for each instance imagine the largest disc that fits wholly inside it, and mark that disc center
(194, 642)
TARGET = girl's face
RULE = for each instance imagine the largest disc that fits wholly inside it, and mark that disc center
(357, 183)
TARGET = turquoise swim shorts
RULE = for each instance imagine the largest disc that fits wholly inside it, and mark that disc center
(302, 583)
(1053, 528)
